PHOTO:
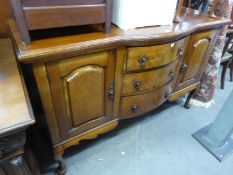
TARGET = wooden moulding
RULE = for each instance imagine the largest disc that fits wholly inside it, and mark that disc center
(44, 89)
(179, 93)
(34, 3)
(51, 49)
(91, 134)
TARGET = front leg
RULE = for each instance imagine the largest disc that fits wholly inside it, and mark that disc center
(231, 70)
(61, 169)
(190, 96)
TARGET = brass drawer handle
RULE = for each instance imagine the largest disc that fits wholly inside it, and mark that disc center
(171, 74)
(183, 67)
(134, 108)
(180, 51)
(137, 84)
(142, 60)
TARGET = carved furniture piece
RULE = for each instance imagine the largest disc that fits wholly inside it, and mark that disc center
(44, 14)
(15, 114)
(88, 82)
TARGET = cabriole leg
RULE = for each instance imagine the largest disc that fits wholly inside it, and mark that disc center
(231, 70)
(224, 70)
(190, 96)
(61, 169)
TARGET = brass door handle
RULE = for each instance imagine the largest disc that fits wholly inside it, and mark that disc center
(137, 84)
(142, 60)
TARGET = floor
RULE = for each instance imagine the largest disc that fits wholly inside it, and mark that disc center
(159, 143)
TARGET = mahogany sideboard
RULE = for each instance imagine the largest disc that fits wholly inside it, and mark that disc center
(88, 82)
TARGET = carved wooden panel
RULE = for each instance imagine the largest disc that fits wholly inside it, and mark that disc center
(79, 88)
(11, 143)
(196, 57)
(84, 94)
(15, 166)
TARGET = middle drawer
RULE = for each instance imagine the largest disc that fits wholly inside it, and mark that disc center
(138, 82)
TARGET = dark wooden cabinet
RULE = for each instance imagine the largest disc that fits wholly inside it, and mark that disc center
(81, 91)
(44, 14)
(88, 82)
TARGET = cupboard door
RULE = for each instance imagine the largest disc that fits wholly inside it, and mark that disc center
(196, 57)
(79, 88)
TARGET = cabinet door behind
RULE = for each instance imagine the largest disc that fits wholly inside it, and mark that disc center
(198, 51)
(79, 88)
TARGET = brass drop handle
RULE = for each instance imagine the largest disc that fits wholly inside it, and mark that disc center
(171, 74)
(183, 67)
(111, 92)
(137, 84)
(180, 51)
(142, 60)
(134, 108)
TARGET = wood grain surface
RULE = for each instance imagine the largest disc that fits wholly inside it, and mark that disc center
(47, 49)
(5, 13)
(14, 111)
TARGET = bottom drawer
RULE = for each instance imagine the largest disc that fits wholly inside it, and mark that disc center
(132, 106)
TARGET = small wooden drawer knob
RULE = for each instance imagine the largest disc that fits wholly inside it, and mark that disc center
(134, 108)
(137, 84)
(142, 61)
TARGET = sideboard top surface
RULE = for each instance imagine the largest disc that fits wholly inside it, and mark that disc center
(47, 49)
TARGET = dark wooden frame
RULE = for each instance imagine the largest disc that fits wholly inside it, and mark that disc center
(31, 15)
(178, 10)
(227, 62)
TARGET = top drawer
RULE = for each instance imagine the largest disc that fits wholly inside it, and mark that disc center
(139, 58)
